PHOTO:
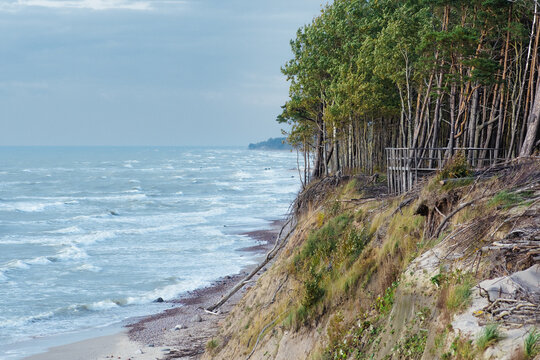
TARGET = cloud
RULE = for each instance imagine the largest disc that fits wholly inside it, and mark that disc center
(15, 5)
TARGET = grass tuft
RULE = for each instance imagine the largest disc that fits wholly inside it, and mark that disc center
(506, 199)
(212, 345)
(531, 344)
(459, 294)
(488, 336)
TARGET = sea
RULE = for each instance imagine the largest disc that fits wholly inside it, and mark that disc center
(92, 236)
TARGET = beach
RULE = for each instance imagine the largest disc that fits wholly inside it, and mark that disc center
(181, 332)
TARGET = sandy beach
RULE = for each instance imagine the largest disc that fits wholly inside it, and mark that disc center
(178, 333)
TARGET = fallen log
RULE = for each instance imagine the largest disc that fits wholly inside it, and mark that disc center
(455, 180)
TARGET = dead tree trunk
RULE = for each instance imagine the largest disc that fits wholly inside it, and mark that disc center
(532, 123)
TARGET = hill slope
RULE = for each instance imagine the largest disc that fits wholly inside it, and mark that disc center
(448, 271)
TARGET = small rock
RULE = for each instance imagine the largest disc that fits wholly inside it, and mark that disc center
(166, 350)
(159, 300)
(197, 318)
(150, 345)
(140, 351)
(180, 327)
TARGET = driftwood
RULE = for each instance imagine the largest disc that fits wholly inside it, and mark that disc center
(449, 216)
(358, 201)
(404, 203)
(271, 254)
(277, 290)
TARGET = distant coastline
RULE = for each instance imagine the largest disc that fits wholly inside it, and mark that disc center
(271, 144)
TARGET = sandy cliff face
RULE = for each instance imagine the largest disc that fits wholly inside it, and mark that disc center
(445, 272)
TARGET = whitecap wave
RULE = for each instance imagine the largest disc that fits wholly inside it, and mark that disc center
(41, 260)
(89, 267)
(16, 264)
(24, 320)
(70, 253)
(29, 206)
(94, 237)
(168, 292)
(102, 305)
(66, 230)
(241, 175)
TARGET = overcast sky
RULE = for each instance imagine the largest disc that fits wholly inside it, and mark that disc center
(144, 72)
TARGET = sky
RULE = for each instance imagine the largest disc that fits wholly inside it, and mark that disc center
(145, 72)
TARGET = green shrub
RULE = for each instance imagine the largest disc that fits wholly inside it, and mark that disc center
(385, 302)
(321, 243)
(313, 289)
(456, 167)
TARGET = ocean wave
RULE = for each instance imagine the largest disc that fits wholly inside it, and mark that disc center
(146, 230)
(210, 231)
(241, 175)
(69, 253)
(115, 197)
(103, 305)
(89, 267)
(40, 260)
(94, 237)
(16, 264)
(168, 292)
(67, 230)
(134, 190)
(25, 320)
(28, 206)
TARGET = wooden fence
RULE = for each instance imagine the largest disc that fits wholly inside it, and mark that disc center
(405, 166)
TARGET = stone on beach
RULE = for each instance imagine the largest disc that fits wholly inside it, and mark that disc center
(197, 318)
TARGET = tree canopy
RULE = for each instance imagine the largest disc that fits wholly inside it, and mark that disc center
(371, 74)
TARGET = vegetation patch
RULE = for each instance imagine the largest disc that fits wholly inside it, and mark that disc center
(488, 336)
(456, 289)
(461, 349)
(532, 344)
(212, 345)
(457, 167)
(506, 199)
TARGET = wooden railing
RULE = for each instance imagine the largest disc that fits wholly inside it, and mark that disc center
(406, 165)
